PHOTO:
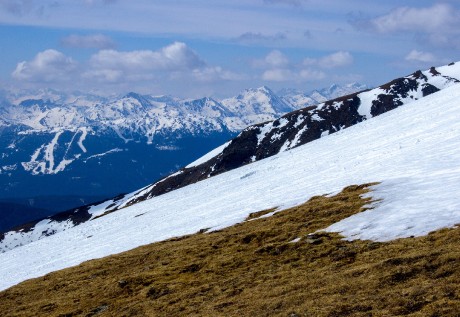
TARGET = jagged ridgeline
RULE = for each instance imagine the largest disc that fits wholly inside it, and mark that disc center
(305, 125)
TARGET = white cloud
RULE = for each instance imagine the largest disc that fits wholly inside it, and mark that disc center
(437, 26)
(334, 60)
(436, 18)
(48, 66)
(175, 62)
(175, 65)
(278, 75)
(277, 67)
(112, 65)
(418, 56)
(337, 59)
(177, 56)
(273, 59)
(276, 59)
(99, 41)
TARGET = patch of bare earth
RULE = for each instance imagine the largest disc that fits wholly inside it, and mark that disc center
(254, 269)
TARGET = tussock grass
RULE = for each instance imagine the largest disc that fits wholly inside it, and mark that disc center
(254, 269)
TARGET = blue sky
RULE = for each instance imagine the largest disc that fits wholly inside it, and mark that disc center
(216, 47)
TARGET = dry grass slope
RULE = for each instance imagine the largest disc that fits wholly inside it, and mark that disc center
(253, 269)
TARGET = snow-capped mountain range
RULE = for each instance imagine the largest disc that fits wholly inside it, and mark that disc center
(55, 143)
(258, 142)
(147, 115)
(301, 99)
(412, 152)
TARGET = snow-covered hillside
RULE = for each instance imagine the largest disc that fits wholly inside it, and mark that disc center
(258, 142)
(305, 125)
(412, 151)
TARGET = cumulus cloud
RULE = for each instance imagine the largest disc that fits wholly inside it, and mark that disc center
(435, 18)
(273, 59)
(418, 56)
(276, 59)
(278, 68)
(334, 60)
(112, 65)
(175, 65)
(438, 25)
(98, 41)
(276, 65)
(47, 66)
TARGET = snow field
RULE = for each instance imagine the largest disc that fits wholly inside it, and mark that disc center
(414, 151)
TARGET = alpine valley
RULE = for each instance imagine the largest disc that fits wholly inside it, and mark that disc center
(62, 150)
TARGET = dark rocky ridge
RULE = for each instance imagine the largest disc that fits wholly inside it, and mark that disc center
(306, 124)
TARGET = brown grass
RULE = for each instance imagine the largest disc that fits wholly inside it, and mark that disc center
(252, 269)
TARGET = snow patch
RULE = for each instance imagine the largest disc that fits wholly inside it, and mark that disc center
(366, 101)
(84, 133)
(103, 154)
(209, 155)
(316, 117)
(398, 212)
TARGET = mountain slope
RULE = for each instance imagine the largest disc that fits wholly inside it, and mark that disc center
(413, 152)
(258, 142)
(268, 266)
(305, 125)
